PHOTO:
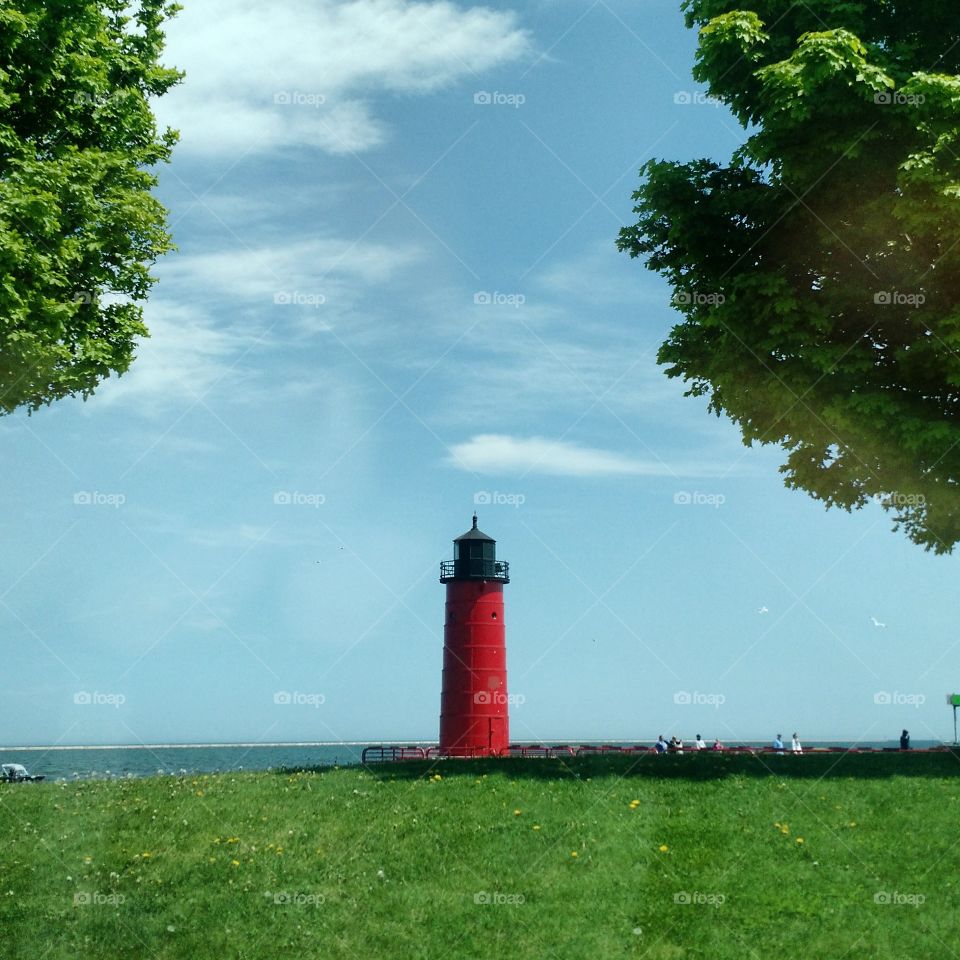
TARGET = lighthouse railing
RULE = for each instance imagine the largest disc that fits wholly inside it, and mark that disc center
(475, 569)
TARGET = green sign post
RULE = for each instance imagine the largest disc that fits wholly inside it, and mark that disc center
(953, 700)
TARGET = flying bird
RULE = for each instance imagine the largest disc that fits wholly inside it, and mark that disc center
(763, 610)
(876, 622)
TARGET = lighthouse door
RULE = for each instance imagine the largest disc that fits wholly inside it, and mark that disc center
(496, 739)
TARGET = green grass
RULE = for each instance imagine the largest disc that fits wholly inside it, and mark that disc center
(385, 863)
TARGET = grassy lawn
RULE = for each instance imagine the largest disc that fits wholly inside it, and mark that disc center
(694, 856)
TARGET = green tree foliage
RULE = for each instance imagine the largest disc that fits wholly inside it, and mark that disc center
(818, 272)
(79, 226)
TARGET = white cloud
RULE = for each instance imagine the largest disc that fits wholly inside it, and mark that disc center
(262, 77)
(499, 453)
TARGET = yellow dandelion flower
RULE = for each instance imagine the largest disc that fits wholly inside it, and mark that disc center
(573, 853)
(235, 863)
(852, 823)
(799, 839)
(663, 848)
(536, 826)
(516, 813)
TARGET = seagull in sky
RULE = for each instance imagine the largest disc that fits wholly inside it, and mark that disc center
(876, 622)
(763, 610)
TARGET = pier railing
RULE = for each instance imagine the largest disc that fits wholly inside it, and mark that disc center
(385, 754)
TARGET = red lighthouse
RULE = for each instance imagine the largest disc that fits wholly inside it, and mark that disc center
(474, 721)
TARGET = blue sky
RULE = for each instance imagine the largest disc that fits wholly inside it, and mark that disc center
(396, 296)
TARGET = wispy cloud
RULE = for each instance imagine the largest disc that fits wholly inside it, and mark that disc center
(324, 276)
(601, 275)
(309, 75)
(221, 320)
(183, 358)
(544, 359)
(491, 453)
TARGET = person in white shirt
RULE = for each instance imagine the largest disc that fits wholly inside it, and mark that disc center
(795, 745)
(698, 744)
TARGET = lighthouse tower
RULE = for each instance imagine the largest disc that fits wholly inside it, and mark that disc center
(473, 704)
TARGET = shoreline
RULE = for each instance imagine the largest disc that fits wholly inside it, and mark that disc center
(808, 744)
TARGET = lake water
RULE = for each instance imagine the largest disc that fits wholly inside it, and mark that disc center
(81, 763)
(73, 763)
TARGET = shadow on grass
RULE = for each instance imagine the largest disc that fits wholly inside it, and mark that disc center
(690, 766)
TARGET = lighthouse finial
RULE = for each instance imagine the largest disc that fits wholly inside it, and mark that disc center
(474, 519)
